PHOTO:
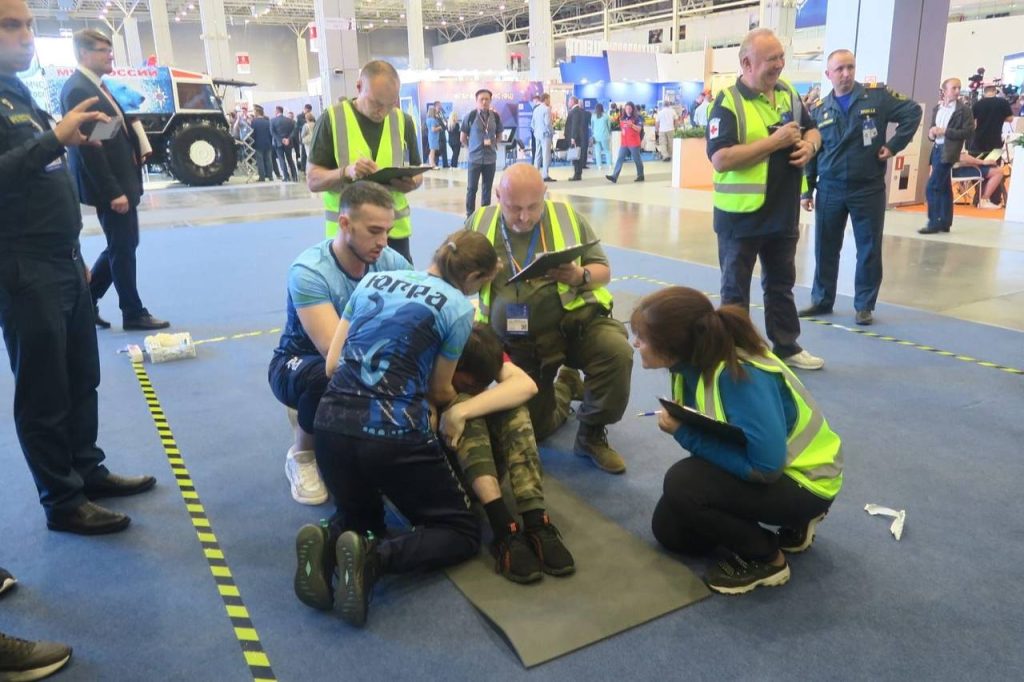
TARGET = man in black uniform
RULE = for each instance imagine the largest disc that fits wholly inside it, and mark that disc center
(45, 307)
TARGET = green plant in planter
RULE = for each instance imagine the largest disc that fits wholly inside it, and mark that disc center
(687, 133)
(559, 124)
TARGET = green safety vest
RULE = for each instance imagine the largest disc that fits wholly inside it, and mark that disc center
(350, 146)
(562, 230)
(813, 451)
(742, 190)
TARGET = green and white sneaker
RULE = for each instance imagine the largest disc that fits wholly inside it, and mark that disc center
(312, 579)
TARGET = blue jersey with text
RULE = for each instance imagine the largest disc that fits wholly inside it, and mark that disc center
(399, 322)
(317, 277)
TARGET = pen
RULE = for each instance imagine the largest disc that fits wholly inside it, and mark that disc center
(648, 414)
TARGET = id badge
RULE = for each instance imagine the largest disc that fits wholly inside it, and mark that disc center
(517, 319)
(870, 131)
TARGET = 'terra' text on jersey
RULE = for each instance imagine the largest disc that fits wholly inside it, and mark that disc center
(400, 322)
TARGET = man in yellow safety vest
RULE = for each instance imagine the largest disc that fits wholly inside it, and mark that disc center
(561, 319)
(759, 138)
(358, 137)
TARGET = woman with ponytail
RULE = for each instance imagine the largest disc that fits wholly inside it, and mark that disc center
(393, 355)
(787, 472)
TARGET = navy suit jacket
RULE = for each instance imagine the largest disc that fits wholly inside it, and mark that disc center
(103, 173)
(262, 140)
(281, 127)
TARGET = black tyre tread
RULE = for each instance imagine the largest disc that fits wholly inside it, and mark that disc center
(184, 170)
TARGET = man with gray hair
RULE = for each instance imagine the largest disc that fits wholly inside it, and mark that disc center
(759, 138)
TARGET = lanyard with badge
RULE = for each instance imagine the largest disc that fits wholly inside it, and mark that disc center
(517, 315)
(869, 131)
(485, 123)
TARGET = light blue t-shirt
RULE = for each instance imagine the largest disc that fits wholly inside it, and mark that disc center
(316, 277)
(399, 323)
(540, 122)
(600, 128)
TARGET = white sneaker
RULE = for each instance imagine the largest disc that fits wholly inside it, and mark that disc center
(986, 204)
(304, 476)
(804, 360)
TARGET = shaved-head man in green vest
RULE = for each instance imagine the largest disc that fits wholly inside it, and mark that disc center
(559, 320)
(358, 137)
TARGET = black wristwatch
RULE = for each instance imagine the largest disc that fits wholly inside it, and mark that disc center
(586, 277)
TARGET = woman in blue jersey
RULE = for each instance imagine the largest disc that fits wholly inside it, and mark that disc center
(394, 353)
(786, 473)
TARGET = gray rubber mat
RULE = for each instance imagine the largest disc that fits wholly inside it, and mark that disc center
(620, 582)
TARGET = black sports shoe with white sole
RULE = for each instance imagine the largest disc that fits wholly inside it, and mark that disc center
(739, 576)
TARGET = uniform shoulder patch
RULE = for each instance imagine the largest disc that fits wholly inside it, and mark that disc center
(895, 94)
(874, 85)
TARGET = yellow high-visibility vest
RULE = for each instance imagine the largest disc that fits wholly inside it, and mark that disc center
(814, 456)
(563, 230)
(350, 146)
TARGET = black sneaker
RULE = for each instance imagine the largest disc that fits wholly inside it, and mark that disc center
(555, 559)
(21, 659)
(7, 581)
(358, 568)
(739, 576)
(814, 310)
(796, 540)
(515, 558)
(312, 578)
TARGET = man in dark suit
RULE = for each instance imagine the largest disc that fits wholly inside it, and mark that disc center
(577, 131)
(263, 144)
(282, 127)
(109, 177)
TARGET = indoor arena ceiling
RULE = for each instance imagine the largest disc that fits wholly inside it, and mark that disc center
(453, 19)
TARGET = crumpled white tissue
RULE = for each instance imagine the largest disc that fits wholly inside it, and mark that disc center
(899, 517)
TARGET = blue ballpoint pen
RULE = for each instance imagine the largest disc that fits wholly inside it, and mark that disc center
(653, 413)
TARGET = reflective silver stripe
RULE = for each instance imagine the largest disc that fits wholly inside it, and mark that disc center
(710, 393)
(730, 188)
(402, 212)
(741, 114)
(340, 134)
(397, 157)
(794, 103)
(561, 214)
(485, 223)
(331, 216)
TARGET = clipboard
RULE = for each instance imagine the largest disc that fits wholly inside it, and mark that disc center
(385, 175)
(695, 419)
(551, 259)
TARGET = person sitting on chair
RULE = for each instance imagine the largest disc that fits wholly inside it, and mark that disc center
(991, 173)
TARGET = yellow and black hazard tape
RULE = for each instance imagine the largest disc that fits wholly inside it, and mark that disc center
(232, 337)
(862, 332)
(252, 649)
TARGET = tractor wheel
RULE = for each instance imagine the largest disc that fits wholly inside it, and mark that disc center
(201, 153)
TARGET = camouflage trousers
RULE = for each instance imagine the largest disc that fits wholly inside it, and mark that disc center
(499, 444)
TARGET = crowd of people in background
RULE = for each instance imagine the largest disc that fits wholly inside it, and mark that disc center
(280, 144)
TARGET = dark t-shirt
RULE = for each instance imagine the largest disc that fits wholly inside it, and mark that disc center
(989, 112)
(321, 149)
(781, 210)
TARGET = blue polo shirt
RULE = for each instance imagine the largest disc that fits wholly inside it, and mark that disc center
(480, 126)
(780, 213)
(317, 277)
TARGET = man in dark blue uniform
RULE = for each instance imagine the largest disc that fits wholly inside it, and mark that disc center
(45, 307)
(849, 174)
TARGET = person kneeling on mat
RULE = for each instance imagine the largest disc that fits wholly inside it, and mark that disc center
(320, 282)
(395, 348)
(786, 474)
(488, 428)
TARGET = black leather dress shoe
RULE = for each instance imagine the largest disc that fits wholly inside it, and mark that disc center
(931, 230)
(144, 323)
(88, 519)
(100, 322)
(118, 486)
